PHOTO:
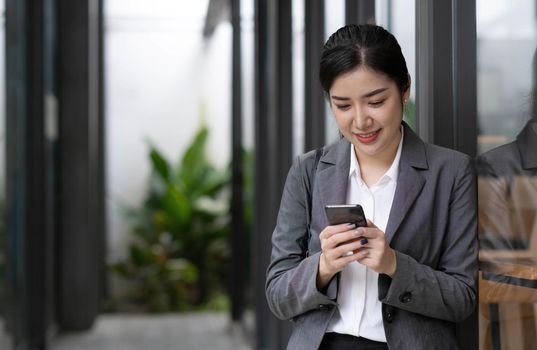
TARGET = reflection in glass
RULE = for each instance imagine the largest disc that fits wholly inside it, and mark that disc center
(506, 37)
(507, 169)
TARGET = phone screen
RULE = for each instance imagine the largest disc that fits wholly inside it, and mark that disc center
(346, 213)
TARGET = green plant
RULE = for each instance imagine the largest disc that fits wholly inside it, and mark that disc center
(180, 250)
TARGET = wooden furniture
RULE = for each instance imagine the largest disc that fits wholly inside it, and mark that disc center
(508, 274)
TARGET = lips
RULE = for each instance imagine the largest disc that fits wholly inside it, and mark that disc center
(367, 138)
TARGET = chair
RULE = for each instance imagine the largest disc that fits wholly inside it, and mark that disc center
(508, 222)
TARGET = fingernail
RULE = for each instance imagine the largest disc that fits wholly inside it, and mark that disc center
(356, 233)
(364, 241)
(351, 226)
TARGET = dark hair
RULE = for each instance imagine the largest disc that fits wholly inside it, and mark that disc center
(364, 45)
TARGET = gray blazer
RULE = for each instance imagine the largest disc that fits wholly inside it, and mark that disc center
(432, 227)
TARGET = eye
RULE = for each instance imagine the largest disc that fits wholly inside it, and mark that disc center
(376, 103)
(343, 107)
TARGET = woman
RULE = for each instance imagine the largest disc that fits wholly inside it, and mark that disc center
(404, 280)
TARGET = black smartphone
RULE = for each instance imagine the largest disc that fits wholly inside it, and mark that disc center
(346, 213)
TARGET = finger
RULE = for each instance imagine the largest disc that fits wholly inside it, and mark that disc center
(349, 248)
(362, 254)
(342, 237)
(329, 231)
(370, 232)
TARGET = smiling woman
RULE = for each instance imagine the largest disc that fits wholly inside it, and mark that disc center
(420, 203)
(367, 107)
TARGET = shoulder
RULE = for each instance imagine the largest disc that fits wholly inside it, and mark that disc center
(422, 155)
(308, 159)
(442, 155)
(448, 165)
(443, 164)
(507, 151)
(499, 161)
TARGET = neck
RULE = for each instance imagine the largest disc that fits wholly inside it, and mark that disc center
(381, 161)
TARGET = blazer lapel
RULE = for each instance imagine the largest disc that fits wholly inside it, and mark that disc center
(334, 173)
(409, 181)
(527, 144)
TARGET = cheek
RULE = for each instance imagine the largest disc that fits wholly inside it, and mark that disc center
(342, 118)
(388, 113)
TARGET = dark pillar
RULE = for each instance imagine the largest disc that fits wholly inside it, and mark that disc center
(29, 75)
(315, 100)
(446, 73)
(81, 190)
(238, 240)
(273, 150)
(359, 11)
(446, 90)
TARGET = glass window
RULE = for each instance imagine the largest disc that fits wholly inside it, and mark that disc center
(507, 165)
(168, 105)
(248, 144)
(298, 76)
(399, 17)
(334, 19)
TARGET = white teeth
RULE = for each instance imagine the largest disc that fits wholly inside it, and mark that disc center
(368, 135)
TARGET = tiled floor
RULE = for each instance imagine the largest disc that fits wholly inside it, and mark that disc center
(195, 331)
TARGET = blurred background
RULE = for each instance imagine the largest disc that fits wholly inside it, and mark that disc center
(144, 148)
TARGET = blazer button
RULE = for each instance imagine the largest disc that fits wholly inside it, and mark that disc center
(389, 317)
(406, 297)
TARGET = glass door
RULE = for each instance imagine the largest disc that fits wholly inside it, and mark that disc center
(507, 169)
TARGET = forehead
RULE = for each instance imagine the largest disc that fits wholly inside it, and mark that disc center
(360, 81)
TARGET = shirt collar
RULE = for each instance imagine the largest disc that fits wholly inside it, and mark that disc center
(391, 173)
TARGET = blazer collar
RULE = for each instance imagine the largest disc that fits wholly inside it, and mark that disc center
(334, 172)
(527, 144)
(410, 181)
(334, 167)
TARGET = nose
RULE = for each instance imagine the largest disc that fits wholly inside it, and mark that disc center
(362, 120)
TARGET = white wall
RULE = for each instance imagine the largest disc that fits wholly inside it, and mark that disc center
(159, 73)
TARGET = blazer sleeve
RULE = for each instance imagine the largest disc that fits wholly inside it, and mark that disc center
(291, 287)
(447, 292)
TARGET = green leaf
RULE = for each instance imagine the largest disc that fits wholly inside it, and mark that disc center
(141, 257)
(194, 160)
(177, 207)
(160, 164)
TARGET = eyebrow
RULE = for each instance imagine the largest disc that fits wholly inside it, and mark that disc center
(369, 94)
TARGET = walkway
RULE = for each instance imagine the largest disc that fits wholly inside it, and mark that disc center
(192, 331)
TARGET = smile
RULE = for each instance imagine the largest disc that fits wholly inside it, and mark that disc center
(367, 138)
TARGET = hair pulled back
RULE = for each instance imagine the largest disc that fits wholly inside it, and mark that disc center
(366, 45)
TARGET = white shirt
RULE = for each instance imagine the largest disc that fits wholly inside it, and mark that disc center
(360, 311)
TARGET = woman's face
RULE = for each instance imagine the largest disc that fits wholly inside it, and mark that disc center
(368, 109)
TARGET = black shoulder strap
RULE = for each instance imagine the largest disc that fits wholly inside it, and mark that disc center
(318, 154)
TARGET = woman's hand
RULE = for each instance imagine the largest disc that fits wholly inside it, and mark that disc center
(376, 254)
(340, 245)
